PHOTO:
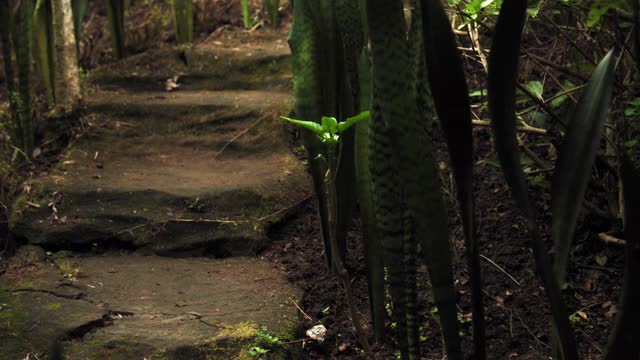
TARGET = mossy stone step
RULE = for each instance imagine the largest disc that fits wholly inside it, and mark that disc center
(181, 173)
(134, 307)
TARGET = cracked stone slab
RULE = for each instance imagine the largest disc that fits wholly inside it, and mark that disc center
(29, 320)
(131, 306)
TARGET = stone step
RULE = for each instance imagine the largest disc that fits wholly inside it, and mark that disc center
(184, 173)
(207, 68)
(135, 307)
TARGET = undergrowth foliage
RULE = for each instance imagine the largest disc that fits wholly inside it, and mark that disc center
(404, 200)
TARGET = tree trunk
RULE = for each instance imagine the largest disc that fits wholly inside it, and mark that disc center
(66, 64)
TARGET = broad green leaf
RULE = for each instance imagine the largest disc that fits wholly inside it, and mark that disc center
(562, 98)
(451, 99)
(329, 125)
(575, 160)
(352, 120)
(313, 126)
(601, 7)
(502, 80)
(623, 342)
(536, 88)
(534, 7)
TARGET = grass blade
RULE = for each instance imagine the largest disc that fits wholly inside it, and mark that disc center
(451, 99)
(623, 343)
(575, 160)
(503, 76)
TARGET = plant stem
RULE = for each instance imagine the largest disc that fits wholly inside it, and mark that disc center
(338, 265)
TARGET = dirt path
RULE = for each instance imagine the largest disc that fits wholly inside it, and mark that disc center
(203, 170)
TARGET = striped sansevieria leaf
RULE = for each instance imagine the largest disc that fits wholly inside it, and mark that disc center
(575, 160)
(451, 99)
(502, 81)
(623, 342)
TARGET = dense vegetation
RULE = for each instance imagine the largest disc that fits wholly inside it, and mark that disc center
(557, 82)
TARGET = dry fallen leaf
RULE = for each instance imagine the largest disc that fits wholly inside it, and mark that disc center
(582, 314)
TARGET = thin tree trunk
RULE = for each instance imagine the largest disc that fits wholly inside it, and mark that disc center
(66, 64)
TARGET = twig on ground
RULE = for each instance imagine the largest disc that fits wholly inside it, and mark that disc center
(611, 239)
(239, 135)
(529, 330)
(529, 129)
(501, 269)
(299, 308)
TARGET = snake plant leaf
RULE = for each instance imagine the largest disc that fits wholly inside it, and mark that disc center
(502, 80)
(575, 160)
(407, 182)
(79, 10)
(352, 121)
(623, 343)
(371, 232)
(183, 20)
(246, 15)
(503, 75)
(313, 126)
(309, 74)
(115, 14)
(22, 40)
(451, 99)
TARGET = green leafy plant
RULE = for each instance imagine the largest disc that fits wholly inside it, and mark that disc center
(329, 129)
(257, 351)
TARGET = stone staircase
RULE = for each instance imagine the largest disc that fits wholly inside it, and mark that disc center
(200, 173)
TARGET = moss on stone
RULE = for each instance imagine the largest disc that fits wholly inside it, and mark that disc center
(12, 315)
(53, 306)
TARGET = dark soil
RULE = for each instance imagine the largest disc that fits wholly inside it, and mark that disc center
(517, 314)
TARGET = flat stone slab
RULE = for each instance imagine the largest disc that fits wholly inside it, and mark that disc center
(123, 307)
(190, 172)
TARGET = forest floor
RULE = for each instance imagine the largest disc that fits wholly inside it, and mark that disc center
(206, 171)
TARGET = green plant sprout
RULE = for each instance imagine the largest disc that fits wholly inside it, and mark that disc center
(328, 132)
(329, 129)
